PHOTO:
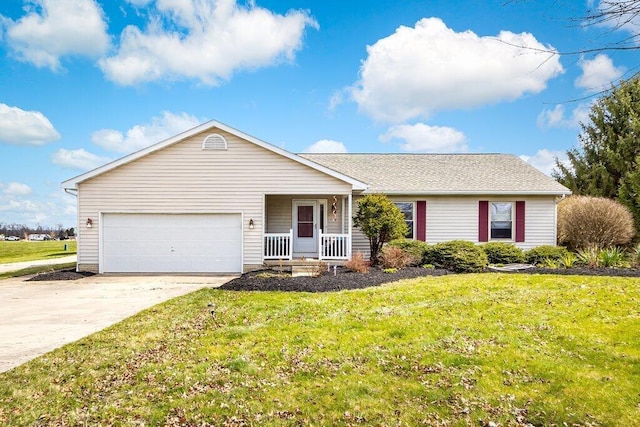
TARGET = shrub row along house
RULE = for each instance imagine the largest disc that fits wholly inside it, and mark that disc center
(214, 199)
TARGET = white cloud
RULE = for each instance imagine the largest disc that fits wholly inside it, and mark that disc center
(77, 159)
(49, 210)
(17, 205)
(20, 127)
(598, 73)
(336, 99)
(417, 71)
(55, 28)
(557, 117)
(207, 40)
(545, 160)
(139, 3)
(326, 146)
(610, 9)
(16, 189)
(143, 135)
(427, 139)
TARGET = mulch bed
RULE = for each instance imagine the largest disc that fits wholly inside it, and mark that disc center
(327, 282)
(345, 279)
(66, 274)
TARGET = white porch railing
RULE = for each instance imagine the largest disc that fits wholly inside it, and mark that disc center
(278, 245)
(334, 246)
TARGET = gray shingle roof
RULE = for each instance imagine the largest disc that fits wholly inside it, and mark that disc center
(441, 173)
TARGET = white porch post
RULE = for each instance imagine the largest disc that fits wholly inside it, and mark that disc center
(350, 222)
(342, 224)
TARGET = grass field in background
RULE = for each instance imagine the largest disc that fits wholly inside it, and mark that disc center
(25, 250)
(452, 350)
(36, 270)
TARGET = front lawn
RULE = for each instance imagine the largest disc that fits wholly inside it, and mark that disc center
(452, 350)
(25, 250)
(49, 269)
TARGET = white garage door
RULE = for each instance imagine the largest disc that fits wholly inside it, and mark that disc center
(159, 243)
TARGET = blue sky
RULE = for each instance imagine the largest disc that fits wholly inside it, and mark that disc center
(83, 82)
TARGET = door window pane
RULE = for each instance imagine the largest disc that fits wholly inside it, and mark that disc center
(305, 213)
(305, 229)
(305, 221)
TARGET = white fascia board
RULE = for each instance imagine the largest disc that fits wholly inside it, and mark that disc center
(73, 182)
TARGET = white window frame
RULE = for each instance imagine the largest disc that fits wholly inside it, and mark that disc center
(413, 216)
(513, 221)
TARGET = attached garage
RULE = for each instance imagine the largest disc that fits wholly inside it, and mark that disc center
(171, 243)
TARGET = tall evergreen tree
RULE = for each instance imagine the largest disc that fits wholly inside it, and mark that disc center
(607, 160)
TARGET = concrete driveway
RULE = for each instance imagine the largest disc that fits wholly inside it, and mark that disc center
(37, 317)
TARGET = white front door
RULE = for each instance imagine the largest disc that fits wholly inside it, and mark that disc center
(305, 228)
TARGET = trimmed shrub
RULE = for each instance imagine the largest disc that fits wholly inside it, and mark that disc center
(380, 220)
(503, 253)
(357, 263)
(585, 222)
(540, 254)
(394, 257)
(457, 255)
(415, 248)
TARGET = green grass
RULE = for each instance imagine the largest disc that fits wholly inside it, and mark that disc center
(35, 270)
(453, 350)
(29, 251)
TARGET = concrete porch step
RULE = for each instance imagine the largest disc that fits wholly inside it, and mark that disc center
(302, 267)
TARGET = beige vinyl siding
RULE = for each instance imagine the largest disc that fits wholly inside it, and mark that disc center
(278, 214)
(452, 218)
(456, 218)
(540, 222)
(183, 178)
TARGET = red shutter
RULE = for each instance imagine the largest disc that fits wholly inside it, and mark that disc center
(421, 225)
(520, 221)
(483, 221)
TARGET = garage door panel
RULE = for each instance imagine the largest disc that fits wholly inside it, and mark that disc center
(197, 243)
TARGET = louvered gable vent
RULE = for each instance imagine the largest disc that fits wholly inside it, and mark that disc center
(214, 141)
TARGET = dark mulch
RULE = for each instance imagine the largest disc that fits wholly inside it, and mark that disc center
(345, 279)
(327, 282)
(66, 274)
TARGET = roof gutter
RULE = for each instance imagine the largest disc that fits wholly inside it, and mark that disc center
(470, 193)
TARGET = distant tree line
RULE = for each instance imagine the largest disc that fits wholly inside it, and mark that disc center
(22, 231)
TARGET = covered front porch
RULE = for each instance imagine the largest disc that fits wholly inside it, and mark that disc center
(307, 227)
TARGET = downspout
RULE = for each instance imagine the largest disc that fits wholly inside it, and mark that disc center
(350, 222)
(74, 192)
